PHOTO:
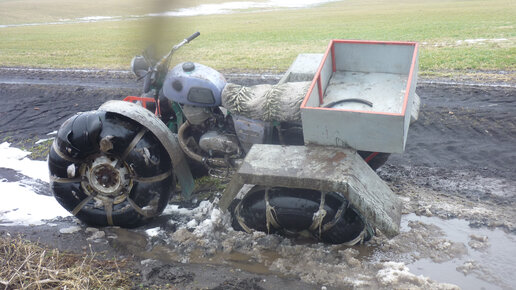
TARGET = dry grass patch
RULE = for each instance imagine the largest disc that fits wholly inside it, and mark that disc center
(27, 265)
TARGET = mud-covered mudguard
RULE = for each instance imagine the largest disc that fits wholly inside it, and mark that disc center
(164, 135)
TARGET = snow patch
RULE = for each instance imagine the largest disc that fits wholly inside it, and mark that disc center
(21, 205)
(205, 219)
(16, 159)
(476, 41)
(481, 40)
(393, 273)
(70, 230)
(43, 140)
(153, 232)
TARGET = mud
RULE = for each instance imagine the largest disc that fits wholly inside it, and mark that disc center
(456, 179)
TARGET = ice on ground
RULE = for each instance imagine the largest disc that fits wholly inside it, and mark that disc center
(398, 275)
(43, 140)
(204, 209)
(481, 40)
(204, 219)
(217, 220)
(16, 159)
(192, 224)
(97, 236)
(153, 232)
(70, 230)
(21, 205)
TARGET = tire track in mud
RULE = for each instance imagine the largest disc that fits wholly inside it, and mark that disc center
(32, 111)
(465, 128)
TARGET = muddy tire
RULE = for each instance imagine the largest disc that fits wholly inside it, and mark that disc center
(290, 211)
(107, 169)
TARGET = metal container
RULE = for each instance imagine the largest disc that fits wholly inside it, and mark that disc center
(362, 96)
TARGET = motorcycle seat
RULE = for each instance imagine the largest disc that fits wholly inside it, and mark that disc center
(268, 103)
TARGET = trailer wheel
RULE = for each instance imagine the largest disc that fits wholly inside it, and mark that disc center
(107, 169)
(375, 160)
(327, 216)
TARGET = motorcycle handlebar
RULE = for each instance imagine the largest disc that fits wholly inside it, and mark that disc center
(165, 59)
(161, 67)
(192, 37)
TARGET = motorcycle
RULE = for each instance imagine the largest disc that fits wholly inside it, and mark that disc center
(118, 165)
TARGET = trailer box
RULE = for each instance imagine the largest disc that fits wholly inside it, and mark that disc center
(362, 95)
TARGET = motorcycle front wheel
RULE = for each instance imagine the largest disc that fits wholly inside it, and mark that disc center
(109, 170)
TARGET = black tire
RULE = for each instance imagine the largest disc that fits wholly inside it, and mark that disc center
(375, 160)
(107, 169)
(293, 211)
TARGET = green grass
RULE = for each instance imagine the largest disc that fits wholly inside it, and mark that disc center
(271, 40)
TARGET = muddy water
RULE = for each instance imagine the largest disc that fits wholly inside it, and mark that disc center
(490, 261)
(478, 258)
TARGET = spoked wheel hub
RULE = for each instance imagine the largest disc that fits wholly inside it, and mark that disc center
(124, 175)
(107, 179)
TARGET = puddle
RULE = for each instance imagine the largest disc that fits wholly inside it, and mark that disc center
(138, 244)
(203, 9)
(428, 251)
(489, 263)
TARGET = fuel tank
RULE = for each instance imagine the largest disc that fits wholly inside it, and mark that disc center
(190, 83)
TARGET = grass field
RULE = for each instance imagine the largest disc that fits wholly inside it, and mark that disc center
(454, 35)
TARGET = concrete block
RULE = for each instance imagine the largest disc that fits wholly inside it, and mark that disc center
(320, 168)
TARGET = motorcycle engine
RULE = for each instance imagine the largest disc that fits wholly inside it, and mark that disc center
(212, 140)
(196, 115)
(219, 144)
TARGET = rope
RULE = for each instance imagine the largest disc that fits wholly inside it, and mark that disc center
(270, 213)
(319, 215)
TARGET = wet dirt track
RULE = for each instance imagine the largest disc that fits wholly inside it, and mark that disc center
(459, 163)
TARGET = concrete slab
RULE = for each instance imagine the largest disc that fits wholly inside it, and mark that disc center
(320, 168)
